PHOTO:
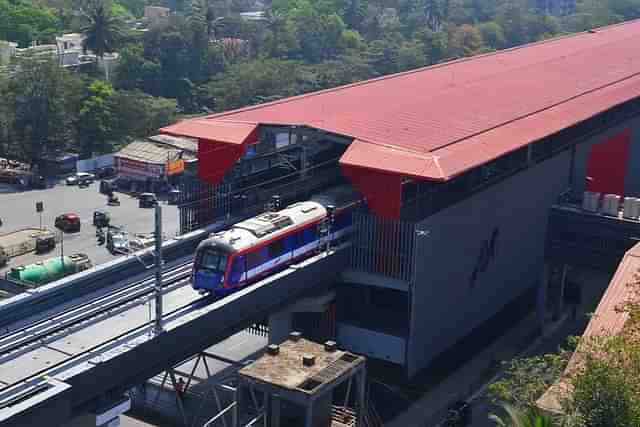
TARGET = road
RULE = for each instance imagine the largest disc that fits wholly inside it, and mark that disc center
(18, 210)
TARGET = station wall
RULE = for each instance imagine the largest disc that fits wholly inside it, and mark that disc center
(478, 255)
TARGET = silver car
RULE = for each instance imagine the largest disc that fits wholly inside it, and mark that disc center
(73, 179)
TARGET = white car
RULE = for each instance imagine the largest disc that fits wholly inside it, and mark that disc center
(73, 180)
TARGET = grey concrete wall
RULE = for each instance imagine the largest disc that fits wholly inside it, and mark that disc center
(446, 305)
(632, 180)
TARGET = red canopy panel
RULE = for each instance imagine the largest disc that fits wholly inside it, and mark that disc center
(225, 131)
(383, 191)
(221, 144)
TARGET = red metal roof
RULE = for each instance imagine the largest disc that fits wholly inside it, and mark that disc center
(437, 122)
(608, 320)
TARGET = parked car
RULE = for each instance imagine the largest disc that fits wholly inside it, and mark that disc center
(68, 222)
(74, 179)
(117, 242)
(147, 200)
(106, 172)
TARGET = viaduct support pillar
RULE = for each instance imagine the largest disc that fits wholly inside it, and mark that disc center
(280, 325)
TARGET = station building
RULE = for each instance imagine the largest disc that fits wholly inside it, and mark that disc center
(459, 164)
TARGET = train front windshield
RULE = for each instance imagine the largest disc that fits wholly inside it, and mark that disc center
(213, 261)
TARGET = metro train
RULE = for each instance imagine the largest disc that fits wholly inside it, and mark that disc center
(257, 247)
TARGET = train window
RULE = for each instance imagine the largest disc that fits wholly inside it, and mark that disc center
(276, 248)
(237, 270)
(309, 235)
(290, 242)
(254, 259)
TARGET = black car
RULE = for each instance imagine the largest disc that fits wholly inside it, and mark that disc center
(147, 200)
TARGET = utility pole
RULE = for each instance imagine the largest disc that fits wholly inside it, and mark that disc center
(159, 261)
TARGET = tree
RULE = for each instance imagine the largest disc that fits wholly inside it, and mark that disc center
(137, 114)
(464, 40)
(24, 22)
(526, 379)
(102, 29)
(96, 122)
(492, 35)
(522, 418)
(43, 103)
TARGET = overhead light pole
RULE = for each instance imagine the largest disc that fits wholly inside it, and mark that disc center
(158, 272)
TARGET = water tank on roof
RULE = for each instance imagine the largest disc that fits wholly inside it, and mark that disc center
(611, 204)
(590, 201)
(631, 208)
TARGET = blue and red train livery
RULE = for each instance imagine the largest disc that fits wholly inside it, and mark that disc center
(252, 249)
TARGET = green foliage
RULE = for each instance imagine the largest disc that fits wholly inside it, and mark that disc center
(603, 396)
(526, 379)
(96, 119)
(43, 102)
(523, 418)
(24, 22)
(102, 28)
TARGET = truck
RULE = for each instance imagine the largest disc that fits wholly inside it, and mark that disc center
(43, 272)
(20, 242)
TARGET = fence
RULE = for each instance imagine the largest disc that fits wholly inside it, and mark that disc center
(95, 163)
(383, 246)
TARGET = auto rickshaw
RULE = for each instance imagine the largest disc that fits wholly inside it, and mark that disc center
(101, 219)
(45, 243)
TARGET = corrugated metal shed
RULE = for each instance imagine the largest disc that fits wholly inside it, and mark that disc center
(186, 144)
(437, 122)
(150, 152)
(608, 320)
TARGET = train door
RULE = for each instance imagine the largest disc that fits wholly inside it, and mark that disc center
(238, 272)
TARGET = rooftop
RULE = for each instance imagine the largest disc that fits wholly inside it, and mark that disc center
(437, 122)
(150, 152)
(187, 144)
(608, 320)
(286, 369)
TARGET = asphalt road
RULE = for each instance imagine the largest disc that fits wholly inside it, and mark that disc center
(18, 210)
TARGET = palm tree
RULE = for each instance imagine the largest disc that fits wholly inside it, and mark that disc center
(103, 31)
(522, 418)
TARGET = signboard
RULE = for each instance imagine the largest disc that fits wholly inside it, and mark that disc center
(39, 207)
(176, 167)
(133, 168)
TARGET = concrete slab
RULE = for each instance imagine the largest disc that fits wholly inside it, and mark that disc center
(29, 363)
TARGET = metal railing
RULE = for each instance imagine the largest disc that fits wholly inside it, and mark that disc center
(383, 246)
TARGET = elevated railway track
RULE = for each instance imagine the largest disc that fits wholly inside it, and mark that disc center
(88, 312)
